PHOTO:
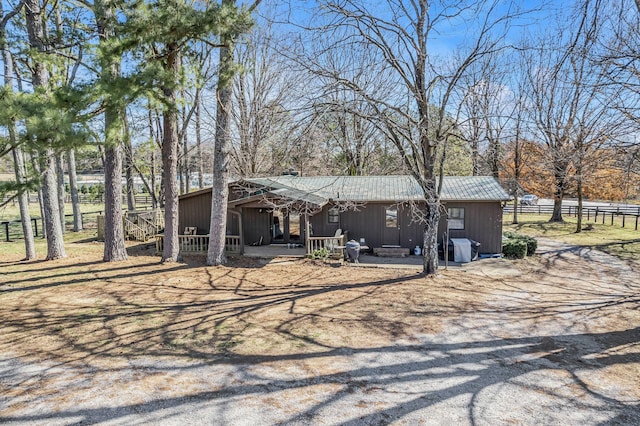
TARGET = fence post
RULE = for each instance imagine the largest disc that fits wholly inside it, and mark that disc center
(623, 217)
(35, 225)
(637, 222)
(588, 214)
(6, 229)
(612, 218)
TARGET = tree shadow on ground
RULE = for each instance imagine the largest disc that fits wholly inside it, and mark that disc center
(151, 321)
(405, 383)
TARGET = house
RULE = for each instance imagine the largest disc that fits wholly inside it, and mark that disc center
(379, 209)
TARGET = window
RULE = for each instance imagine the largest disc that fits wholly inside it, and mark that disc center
(391, 217)
(333, 215)
(455, 215)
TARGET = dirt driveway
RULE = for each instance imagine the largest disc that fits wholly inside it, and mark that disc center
(552, 339)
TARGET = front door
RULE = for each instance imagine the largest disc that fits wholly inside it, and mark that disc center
(294, 228)
(286, 228)
(277, 227)
(391, 233)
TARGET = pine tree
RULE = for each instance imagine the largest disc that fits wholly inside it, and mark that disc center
(40, 79)
(220, 190)
(105, 16)
(18, 155)
(166, 27)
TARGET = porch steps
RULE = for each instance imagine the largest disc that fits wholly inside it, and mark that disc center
(391, 251)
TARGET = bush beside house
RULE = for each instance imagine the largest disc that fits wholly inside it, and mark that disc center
(518, 246)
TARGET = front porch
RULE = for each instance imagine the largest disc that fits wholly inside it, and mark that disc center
(199, 244)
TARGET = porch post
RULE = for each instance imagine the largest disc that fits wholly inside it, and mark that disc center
(307, 228)
(241, 233)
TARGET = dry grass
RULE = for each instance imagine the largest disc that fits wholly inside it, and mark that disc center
(82, 309)
(94, 326)
(623, 243)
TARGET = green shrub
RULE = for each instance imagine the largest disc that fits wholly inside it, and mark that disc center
(320, 254)
(514, 248)
(532, 243)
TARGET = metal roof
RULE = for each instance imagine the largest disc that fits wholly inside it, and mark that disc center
(320, 190)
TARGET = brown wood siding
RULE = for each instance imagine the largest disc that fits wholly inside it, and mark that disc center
(367, 223)
(411, 233)
(256, 223)
(320, 223)
(482, 223)
(195, 211)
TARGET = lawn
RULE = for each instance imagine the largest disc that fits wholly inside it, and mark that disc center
(623, 243)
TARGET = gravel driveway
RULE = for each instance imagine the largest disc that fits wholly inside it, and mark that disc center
(557, 343)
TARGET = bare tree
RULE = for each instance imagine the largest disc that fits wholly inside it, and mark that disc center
(262, 93)
(220, 188)
(572, 106)
(418, 118)
(492, 110)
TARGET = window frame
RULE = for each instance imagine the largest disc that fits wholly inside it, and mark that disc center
(386, 217)
(456, 218)
(333, 212)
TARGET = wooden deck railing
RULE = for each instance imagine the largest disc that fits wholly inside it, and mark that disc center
(330, 243)
(199, 243)
(132, 230)
(232, 244)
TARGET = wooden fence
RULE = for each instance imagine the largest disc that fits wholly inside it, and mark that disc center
(141, 199)
(12, 230)
(611, 215)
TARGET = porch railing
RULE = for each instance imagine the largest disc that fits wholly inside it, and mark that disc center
(133, 231)
(199, 244)
(333, 244)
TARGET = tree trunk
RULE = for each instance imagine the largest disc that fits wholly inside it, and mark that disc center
(517, 166)
(128, 156)
(579, 219)
(52, 222)
(558, 196)
(170, 161)
(114, 248)
(430, 239)
(73, 189)
(199, 145)
(18, 156)
(55, 240)
(37, 170)
(154, 191)
(220, 190)
(185, 163)
(61, 190)
(23, 199)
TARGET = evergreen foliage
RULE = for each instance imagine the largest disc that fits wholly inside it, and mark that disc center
(531, 244)
(514, 248)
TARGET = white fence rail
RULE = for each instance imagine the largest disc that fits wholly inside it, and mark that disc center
(199, 244)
